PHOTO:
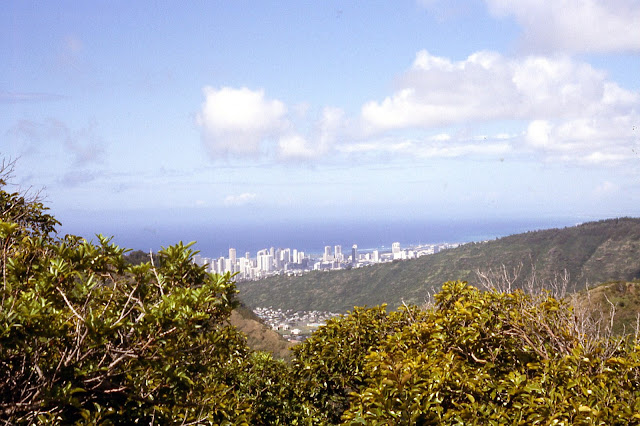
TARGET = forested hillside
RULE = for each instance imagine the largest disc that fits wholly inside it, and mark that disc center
(590, 253)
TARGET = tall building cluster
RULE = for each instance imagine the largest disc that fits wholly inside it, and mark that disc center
(295, 262)
(266, 262)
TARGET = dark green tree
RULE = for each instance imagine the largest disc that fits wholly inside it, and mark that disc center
(88, 337)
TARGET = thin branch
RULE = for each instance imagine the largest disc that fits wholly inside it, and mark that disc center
(69, 304)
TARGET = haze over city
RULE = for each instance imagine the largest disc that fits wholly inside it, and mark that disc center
(169, 119)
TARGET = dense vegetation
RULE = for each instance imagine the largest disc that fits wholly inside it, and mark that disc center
(259, 336)
(87, 337)
(590, 253)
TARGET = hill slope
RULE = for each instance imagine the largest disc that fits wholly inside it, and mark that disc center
(614, 304)
(259, 336)
(591, 253)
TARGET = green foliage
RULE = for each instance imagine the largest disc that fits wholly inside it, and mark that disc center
(273, 393)
(330, 364)
(86, 337)
(496, 358)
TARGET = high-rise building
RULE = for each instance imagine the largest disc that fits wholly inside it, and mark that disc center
(268, 263)
(354, 254)
(232, 260)
(395, 251)
(207, 263)
(285, 254)
(327, 254)
(337, 253)
(376, 256)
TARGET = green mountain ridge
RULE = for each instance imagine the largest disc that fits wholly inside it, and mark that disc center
(590, 253)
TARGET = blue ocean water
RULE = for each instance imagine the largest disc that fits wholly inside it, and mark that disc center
(215, 239)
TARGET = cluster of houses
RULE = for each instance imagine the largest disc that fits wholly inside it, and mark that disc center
(294, 325)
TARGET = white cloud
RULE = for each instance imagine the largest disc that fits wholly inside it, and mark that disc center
(573, 112)
(556, 108)
(240, 199)
(329, 127)
(583, 141)
(244, 122)
(237, 121)
(538, 133)
(432, 147)
(295, 146)
(574, 25)
(487, 86)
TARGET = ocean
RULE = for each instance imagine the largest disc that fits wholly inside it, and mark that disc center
(215, 239)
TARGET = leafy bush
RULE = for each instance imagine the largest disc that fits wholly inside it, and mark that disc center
(87, 337)
(330, 364)
(497, 358)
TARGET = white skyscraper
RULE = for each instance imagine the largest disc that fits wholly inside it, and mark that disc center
(285, 255)
(327, 254)
(232, 260)
(395, 250)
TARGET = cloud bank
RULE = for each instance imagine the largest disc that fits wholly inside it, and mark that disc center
(566, 110)
(487, 86)
(572, 112)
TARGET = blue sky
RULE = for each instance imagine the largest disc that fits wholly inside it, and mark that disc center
(248, 112)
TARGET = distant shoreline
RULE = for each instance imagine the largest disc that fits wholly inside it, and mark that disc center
(214, 239)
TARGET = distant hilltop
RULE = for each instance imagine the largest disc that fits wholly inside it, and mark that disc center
(583, 255)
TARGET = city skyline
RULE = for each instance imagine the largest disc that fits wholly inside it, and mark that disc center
(275, 261)
(150, 116)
